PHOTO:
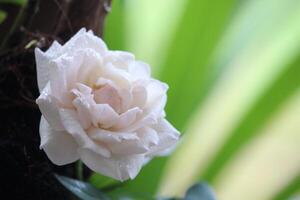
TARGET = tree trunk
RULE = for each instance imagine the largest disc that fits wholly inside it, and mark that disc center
(25, 171)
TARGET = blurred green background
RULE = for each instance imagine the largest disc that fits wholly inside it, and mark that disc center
(233, 68)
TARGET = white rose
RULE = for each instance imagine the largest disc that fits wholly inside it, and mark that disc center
(101, 107)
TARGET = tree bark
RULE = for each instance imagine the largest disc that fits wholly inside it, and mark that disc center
(25, 171)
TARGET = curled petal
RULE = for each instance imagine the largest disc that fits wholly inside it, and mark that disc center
(127, 118)
(43, 63)
(49, 109)
(72, 125)
(120, 143)
(104, 116)
(59, 146)
(157, 98)
(42, 68)
(145, 121)
(168, 137)
(118, 167)
(108, 95)
(149, 136)
(83, 110)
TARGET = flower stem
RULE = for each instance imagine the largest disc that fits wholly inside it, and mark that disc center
(79, 170)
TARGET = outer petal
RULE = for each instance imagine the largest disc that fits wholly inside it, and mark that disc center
(121, 168)
(119, 59)
(42, 68)
(63, 72)
(59, 146)
(47, 105)
(149, 136)
(85, 40)
(43, 63)
(72, 125)
(168, 137)
(139, 70)
(120, 143)
(157, 98)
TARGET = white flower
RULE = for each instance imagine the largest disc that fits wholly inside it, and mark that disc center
(100, 106)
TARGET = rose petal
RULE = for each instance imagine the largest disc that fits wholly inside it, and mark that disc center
(43, 63)
(168, 137)
(145, 121)
(149, 136)
(72, 125)
(119, 59)
(42, 68)
(59, 146)
(139, 96)
(156, 98)
(108, 95)
(85, 40)
(104, 116)
(83, 110)
(118, 76)
(91, 67)
(61, 79)
(120, 143)
(127, 118)
(121, 168)
(126, 99)
(49, 109)
(139, 70)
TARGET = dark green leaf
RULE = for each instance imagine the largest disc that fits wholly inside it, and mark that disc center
(200, 191)
(83, 190)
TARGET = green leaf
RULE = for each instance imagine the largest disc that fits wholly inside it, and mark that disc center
(270, 102)
(2, 16)
(83, 190)
(16, 2)
(187, 68)
(200, 191)
(187, 72)
(114, 30)
(289, 190)
(258, 51)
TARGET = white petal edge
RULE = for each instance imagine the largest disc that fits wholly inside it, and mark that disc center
(120, 168)
(127, 118)
(43, 63)
(59, 146)
(119, 143)
(47, 105)
(168, 137)
(72, 125)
